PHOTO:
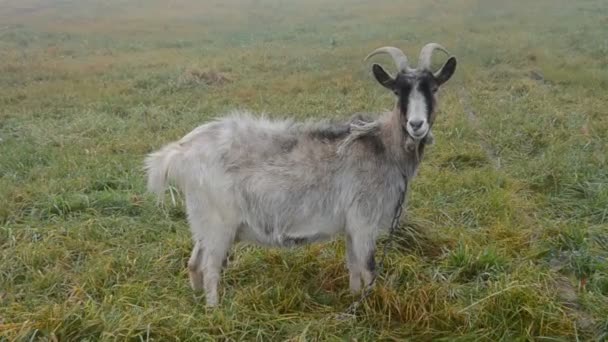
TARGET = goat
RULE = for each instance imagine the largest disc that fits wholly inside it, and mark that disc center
(283, 183)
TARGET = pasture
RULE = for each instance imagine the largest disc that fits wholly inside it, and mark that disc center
(505, 235)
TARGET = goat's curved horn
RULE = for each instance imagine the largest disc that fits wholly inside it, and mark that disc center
(398, 56)
(424, 61)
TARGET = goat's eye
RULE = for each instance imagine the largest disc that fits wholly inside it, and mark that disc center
(434, 89)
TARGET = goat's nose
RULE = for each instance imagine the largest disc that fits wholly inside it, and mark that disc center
(416, 124)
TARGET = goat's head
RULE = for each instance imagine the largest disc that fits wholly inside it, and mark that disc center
(415, 88)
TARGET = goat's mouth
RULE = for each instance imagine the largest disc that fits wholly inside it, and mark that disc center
(418, 134)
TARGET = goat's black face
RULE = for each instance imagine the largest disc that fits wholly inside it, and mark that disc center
(415, 91)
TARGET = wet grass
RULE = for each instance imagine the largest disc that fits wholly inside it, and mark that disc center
(506, 234)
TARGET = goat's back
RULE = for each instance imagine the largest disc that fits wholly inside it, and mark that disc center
(279, 173)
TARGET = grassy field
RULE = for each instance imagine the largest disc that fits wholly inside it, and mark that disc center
(506, 234)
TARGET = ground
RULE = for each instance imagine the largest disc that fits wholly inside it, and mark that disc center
(506, 232)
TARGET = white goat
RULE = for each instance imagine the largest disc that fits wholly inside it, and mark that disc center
(283, 183)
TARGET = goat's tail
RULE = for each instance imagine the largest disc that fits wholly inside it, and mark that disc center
(161, 167)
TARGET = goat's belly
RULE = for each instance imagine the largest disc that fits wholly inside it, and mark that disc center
(316, 230)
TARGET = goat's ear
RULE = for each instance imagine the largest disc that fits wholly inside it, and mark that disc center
(446, 71)
(383, 77)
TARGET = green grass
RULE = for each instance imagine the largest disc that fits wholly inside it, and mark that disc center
(506, 234)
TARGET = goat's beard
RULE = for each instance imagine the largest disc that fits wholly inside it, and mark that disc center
(412, 145)
(427, 139)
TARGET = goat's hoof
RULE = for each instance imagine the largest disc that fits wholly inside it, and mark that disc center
(211, 304)
(355, 289)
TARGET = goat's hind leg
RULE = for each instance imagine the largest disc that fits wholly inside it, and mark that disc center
(215, 251)
(195, 267)
(212, 235)
(208, 256)
(213, 238)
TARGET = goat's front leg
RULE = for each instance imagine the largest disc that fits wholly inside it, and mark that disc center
(360, 247)
(353, 266)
